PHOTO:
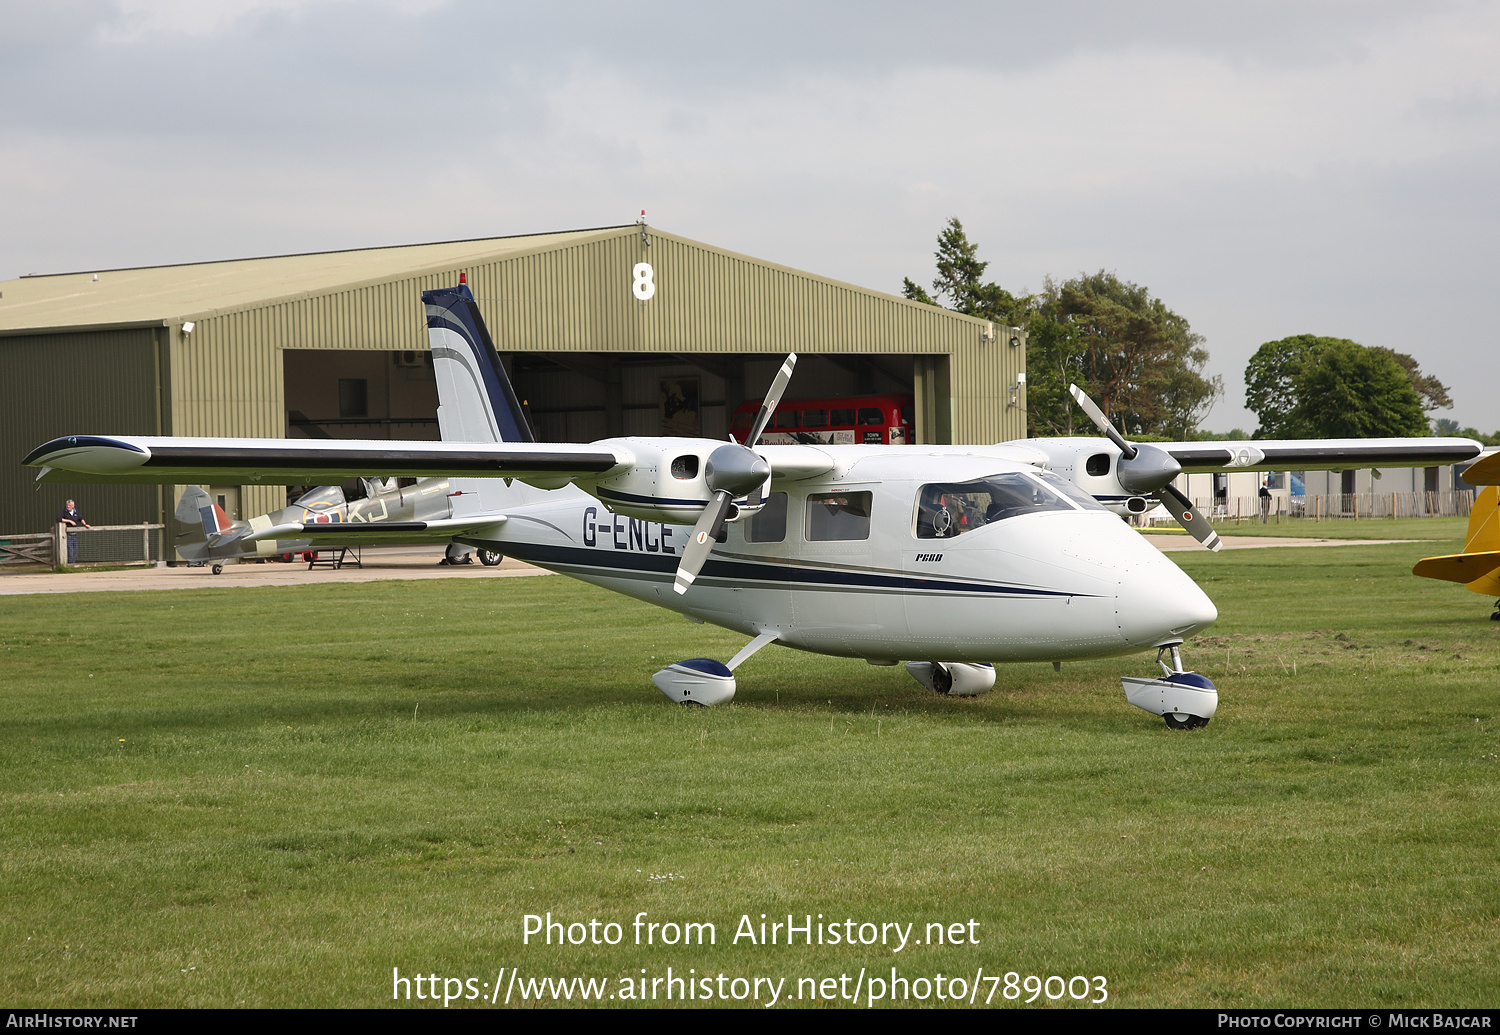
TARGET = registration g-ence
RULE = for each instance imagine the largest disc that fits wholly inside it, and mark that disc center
(623, 533)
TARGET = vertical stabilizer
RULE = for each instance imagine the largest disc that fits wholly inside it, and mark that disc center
(477, 402)
(1484, 522)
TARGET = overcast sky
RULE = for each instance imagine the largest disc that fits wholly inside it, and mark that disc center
(1266, 169)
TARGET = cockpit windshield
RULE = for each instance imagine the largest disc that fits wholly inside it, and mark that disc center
(1068, 489)
(948, 509)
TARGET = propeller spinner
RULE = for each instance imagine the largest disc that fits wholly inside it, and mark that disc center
(1147, 470)
(732, 470)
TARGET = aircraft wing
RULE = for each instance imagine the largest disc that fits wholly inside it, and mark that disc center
(370, 533)
(1322, 454)
(277, 461)
(1485, 471)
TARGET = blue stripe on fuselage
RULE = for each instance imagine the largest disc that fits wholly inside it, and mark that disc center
(763, 573)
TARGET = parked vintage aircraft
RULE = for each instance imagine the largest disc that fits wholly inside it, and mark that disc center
(388, 504)
(1478, 567)
(950, 558)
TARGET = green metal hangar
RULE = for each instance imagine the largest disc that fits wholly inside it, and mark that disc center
(604, 331)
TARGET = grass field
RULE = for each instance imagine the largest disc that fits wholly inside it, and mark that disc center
(274, 796)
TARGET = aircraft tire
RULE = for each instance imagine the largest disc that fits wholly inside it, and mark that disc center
(490, 558)
(1185, 722)
(218, 569)
(942, 679)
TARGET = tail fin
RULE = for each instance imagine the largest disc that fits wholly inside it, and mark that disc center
(198, 508)
(1484, 522)
(1478, 567)
(478, 403)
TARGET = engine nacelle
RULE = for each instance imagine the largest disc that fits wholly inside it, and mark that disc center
(953, 678)
(1094, 465)
(667, 482)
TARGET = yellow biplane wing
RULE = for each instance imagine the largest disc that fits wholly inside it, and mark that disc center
(1484, 471)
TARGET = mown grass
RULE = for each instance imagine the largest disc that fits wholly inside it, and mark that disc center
(272, 796)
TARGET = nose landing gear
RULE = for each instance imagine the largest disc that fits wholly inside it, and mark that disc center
(1184, 700)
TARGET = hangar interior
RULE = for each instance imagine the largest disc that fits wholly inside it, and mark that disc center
(359, 393)
(569, 397)
(580, 397)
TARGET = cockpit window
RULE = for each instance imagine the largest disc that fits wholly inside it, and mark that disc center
(945, 510)
(1068, 489)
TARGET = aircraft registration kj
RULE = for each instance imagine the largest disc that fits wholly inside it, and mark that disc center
(949, 558)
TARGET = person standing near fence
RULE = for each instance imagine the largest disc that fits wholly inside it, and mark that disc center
(69, 516)
(1265, 502)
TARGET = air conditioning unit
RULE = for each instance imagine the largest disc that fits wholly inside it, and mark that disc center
(410, 358)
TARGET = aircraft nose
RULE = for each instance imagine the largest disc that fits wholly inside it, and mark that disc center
(1159, 602)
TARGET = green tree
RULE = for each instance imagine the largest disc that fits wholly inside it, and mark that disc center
(1137, 357)
(1432, 392)
(1270, 391)
(1141, 361)
(1308, 386)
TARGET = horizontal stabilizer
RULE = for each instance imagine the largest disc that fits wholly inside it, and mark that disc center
(1459, 567)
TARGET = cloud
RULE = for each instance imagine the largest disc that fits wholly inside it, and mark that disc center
(1267, 169)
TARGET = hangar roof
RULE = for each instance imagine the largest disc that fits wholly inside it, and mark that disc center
(160, 295)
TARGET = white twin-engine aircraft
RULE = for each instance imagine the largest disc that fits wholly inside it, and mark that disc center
(949, 558)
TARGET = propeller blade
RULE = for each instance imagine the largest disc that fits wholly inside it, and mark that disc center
(710, 524)
(1101, 422)
(783, 376)
(1181, 508)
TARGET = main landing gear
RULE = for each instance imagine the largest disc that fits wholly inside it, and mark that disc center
(704, 681)
(1184, 700)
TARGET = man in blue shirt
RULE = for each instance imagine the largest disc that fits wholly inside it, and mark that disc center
(69, 516)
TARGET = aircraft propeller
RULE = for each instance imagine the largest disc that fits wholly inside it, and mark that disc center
(1148, 471)
(732, 470)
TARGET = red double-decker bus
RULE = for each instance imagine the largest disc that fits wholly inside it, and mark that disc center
(875, 419)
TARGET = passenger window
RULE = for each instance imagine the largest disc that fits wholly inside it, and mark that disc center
(870, 415)
(769, 525)
(948, 510)
(742, 422)
(815, 418)
(841, 418)
(787, 418)
(838, 516)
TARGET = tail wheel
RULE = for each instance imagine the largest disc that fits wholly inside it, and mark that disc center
(218, 569)
(490, 558)
(1184, 722)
